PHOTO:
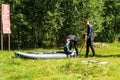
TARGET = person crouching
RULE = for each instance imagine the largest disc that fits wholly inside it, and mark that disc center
(67, 51)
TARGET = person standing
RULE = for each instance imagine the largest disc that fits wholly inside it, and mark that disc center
(89, 38)
(73, 41)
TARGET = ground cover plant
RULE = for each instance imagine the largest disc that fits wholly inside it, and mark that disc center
(12, 68)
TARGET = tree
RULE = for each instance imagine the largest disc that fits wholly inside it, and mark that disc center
(111, 21)
(42, 23)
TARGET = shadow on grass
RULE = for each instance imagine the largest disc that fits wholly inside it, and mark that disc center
(101, 56)
(116, 55)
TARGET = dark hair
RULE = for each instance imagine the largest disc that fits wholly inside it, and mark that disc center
(86, 20)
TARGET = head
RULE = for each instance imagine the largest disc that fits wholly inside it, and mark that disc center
(86, 21)
(67, 41)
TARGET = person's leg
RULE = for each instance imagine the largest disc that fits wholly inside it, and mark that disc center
(76, 47)
(69, 54)
(92, 48)
(70, 44)
(87, 47)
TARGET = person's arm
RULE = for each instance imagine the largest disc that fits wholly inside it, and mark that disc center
(88, 31)
(68, 50)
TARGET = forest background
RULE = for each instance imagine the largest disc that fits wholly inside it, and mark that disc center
(46, 23)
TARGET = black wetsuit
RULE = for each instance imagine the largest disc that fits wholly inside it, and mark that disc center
(90, 39)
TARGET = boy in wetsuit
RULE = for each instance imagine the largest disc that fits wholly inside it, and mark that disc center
(67, 50)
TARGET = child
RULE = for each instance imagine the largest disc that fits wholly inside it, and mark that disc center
(67, 51)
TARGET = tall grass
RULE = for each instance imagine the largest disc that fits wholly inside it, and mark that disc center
(12, 68)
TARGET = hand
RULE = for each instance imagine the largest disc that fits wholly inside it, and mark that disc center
(86, 37)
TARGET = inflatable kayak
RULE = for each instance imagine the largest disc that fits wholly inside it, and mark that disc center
(40, 55)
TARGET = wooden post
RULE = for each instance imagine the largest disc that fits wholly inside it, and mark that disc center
(1, 38)
(8, 42)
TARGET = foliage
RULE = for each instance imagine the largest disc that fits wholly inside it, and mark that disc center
(46, 23)
(111, 21)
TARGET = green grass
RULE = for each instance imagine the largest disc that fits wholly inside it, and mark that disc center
(12, 68)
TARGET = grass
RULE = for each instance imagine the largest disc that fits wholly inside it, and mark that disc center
(12, 68)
